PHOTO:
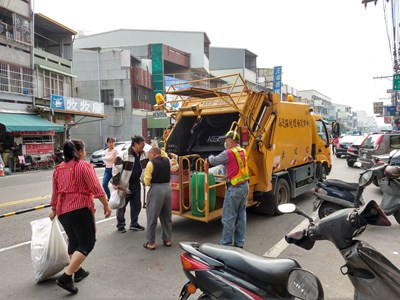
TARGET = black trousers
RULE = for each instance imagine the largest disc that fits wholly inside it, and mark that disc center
(79, 227)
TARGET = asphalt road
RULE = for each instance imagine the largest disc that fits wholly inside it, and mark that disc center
(120, 268)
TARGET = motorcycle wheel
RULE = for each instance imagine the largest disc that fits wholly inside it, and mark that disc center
(397, 216)
(327, 208)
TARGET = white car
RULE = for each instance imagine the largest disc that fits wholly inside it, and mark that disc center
(97, 156)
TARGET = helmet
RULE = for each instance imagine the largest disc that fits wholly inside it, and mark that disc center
(392, 172)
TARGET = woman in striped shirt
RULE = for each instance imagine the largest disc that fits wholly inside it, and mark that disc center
(75, 185)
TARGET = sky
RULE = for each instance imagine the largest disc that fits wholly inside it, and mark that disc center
(333, 47)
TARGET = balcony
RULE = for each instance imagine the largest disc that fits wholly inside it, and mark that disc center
(141, 77)
(176, 56)
(52, 61)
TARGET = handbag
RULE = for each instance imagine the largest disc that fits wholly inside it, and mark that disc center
(116, 200)
(48, 249)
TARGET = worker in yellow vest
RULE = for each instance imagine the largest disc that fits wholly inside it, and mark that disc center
(234, 159)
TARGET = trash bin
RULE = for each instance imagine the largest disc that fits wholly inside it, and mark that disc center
(200, 193)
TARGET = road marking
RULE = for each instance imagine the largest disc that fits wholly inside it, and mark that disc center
(278, 248)
(24, 200)
(29, 242)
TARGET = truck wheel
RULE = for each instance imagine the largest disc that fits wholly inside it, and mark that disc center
(397, 216)
(324, 172)
(281, 196)
(327, 208)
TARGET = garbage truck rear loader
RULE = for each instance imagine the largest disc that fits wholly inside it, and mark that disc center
(287, 146)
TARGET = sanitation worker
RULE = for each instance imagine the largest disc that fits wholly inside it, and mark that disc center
(234, 159)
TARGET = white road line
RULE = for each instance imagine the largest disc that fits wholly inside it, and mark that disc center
(27, 243)
(278, 248)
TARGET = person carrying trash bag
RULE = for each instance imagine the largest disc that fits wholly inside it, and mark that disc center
(75, 184)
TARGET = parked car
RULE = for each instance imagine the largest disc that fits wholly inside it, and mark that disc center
(344, 143)
(352, 151)
(376, 144)
(97, 156)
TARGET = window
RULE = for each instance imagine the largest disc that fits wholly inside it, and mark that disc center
(107, 96)
(53, 83)
(15, 79)
(322, 133)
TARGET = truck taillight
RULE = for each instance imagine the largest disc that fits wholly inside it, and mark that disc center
(244, 136)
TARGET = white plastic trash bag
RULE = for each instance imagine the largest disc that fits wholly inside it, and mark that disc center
(116, 200)
(48, 249)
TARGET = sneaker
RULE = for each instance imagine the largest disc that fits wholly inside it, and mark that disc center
(137, 228)
(121, 230)
(80, 274)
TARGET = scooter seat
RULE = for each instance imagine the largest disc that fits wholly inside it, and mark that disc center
(268, 270)
(349, 186)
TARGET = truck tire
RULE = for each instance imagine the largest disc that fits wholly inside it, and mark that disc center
(322, 171)
(327, 208)
(282, 195)
(396, 215)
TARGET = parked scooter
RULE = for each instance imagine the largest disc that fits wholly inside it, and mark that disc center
(225, 272)
(390, 187)
(58, 156)
(334, 194)
(372, 274)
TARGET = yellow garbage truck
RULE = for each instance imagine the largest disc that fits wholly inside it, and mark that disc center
(287, 145)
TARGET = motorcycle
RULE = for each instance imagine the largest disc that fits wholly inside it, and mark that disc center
(226, 272)
(372, 275)
(58, 156)
(334, 194)
(390, 187)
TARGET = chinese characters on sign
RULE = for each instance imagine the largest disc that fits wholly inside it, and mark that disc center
(277, 79)
(76, 104)
(293, 123)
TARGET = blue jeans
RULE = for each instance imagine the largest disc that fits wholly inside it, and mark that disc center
(136, 206)
(234, 215)
(106, 179)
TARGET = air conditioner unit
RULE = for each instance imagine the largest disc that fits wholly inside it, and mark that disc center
(118, 102)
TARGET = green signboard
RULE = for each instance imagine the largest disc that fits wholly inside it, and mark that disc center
(396, 82)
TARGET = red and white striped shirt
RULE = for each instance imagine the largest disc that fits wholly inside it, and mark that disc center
(75, 185)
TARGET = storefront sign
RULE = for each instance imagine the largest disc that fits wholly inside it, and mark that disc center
(28, 133)
(32, 149)
(76, 104)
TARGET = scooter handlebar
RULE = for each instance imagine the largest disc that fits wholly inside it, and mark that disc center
(301, 239)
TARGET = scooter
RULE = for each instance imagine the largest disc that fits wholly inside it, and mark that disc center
(372, 274)
(334, 194)
(58, 156)
(390, 187)
(225, 272)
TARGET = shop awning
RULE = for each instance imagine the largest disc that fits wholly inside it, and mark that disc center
(25, 122)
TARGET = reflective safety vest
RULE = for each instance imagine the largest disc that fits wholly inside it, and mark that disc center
(243, 173)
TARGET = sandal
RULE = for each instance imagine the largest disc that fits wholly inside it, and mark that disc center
(167, 243)
(146, 245)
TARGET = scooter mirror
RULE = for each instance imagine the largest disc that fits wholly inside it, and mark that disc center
(287, 208)
(303, 284)
(365, 178)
